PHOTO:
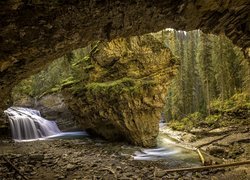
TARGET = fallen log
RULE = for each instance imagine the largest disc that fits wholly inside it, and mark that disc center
(14, 167)
(201, 156)
(208, 167)
(215, 140)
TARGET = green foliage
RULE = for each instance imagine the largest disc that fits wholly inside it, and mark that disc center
(212, 120)
(238, 101)
(223, 113)
(187, 123)
(63, 72)
(177, 125)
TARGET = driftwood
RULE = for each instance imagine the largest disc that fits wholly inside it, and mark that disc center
(215, 140)
(201, 156)
(208, 167)
(209, 159)
(14, 167)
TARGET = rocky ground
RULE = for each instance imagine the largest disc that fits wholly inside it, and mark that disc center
(227, 143)
(94, 159)
(219, 145)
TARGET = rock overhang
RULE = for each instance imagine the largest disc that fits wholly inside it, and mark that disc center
(33, 33)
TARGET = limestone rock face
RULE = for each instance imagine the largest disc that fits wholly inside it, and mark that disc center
(23, 101)
(51, 107)
(34, 32)
(124, 93)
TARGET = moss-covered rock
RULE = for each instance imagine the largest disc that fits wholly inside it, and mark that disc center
(124, 93)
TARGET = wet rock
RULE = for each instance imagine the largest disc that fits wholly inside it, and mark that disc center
(235, 151)
(70, 167)
(199, 131)
(23, 101)
(189, 175)
(159, 173)
(53, 107)
(217, 151)
(188, 137)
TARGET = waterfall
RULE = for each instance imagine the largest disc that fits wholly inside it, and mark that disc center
(27, 124)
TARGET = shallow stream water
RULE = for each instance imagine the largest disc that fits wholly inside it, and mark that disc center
(168, 150)
(28, 125)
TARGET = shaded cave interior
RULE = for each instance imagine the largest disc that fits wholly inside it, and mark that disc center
(51, 103)
(34, 33)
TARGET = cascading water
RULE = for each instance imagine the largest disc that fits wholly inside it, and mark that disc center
(27, 124)
(167, 149)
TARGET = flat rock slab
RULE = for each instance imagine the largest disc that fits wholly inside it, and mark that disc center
(206, 140)
(235, 137)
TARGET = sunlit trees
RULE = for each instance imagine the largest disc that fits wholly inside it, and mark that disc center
(211, 68)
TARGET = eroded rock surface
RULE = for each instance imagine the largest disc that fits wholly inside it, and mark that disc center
(33, 33)
(124, 92)
(51, 107)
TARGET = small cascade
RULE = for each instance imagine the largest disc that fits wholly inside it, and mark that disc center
(28, 124)
(167, 150)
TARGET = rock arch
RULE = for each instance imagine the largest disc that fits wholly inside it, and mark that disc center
(34, 32)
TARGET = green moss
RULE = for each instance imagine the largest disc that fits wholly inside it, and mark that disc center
(223, 113)
(112, 88)
(238, 101)
(212, 120)
(69, 82)
(187, 123)
(95, 48)
(50, 91)
(124, 84)
(80, 61)
(177, 125)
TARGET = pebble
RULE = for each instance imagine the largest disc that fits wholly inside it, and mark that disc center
(78, 163)
(159, 173)
(70, 167)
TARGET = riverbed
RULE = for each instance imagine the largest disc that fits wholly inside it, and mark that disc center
(88, 158)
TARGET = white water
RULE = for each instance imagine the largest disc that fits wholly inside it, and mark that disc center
(167, 148)
(28, 125)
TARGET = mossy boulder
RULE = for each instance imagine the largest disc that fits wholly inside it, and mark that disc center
(124, 93)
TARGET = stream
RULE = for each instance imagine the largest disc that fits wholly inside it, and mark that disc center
(28, 125)
(169, 151)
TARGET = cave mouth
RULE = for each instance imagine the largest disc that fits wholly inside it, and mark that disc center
(195, 53)
(152, 98)
(33, 33)
(212, 82)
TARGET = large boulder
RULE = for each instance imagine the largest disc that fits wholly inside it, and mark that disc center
(124, 92)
